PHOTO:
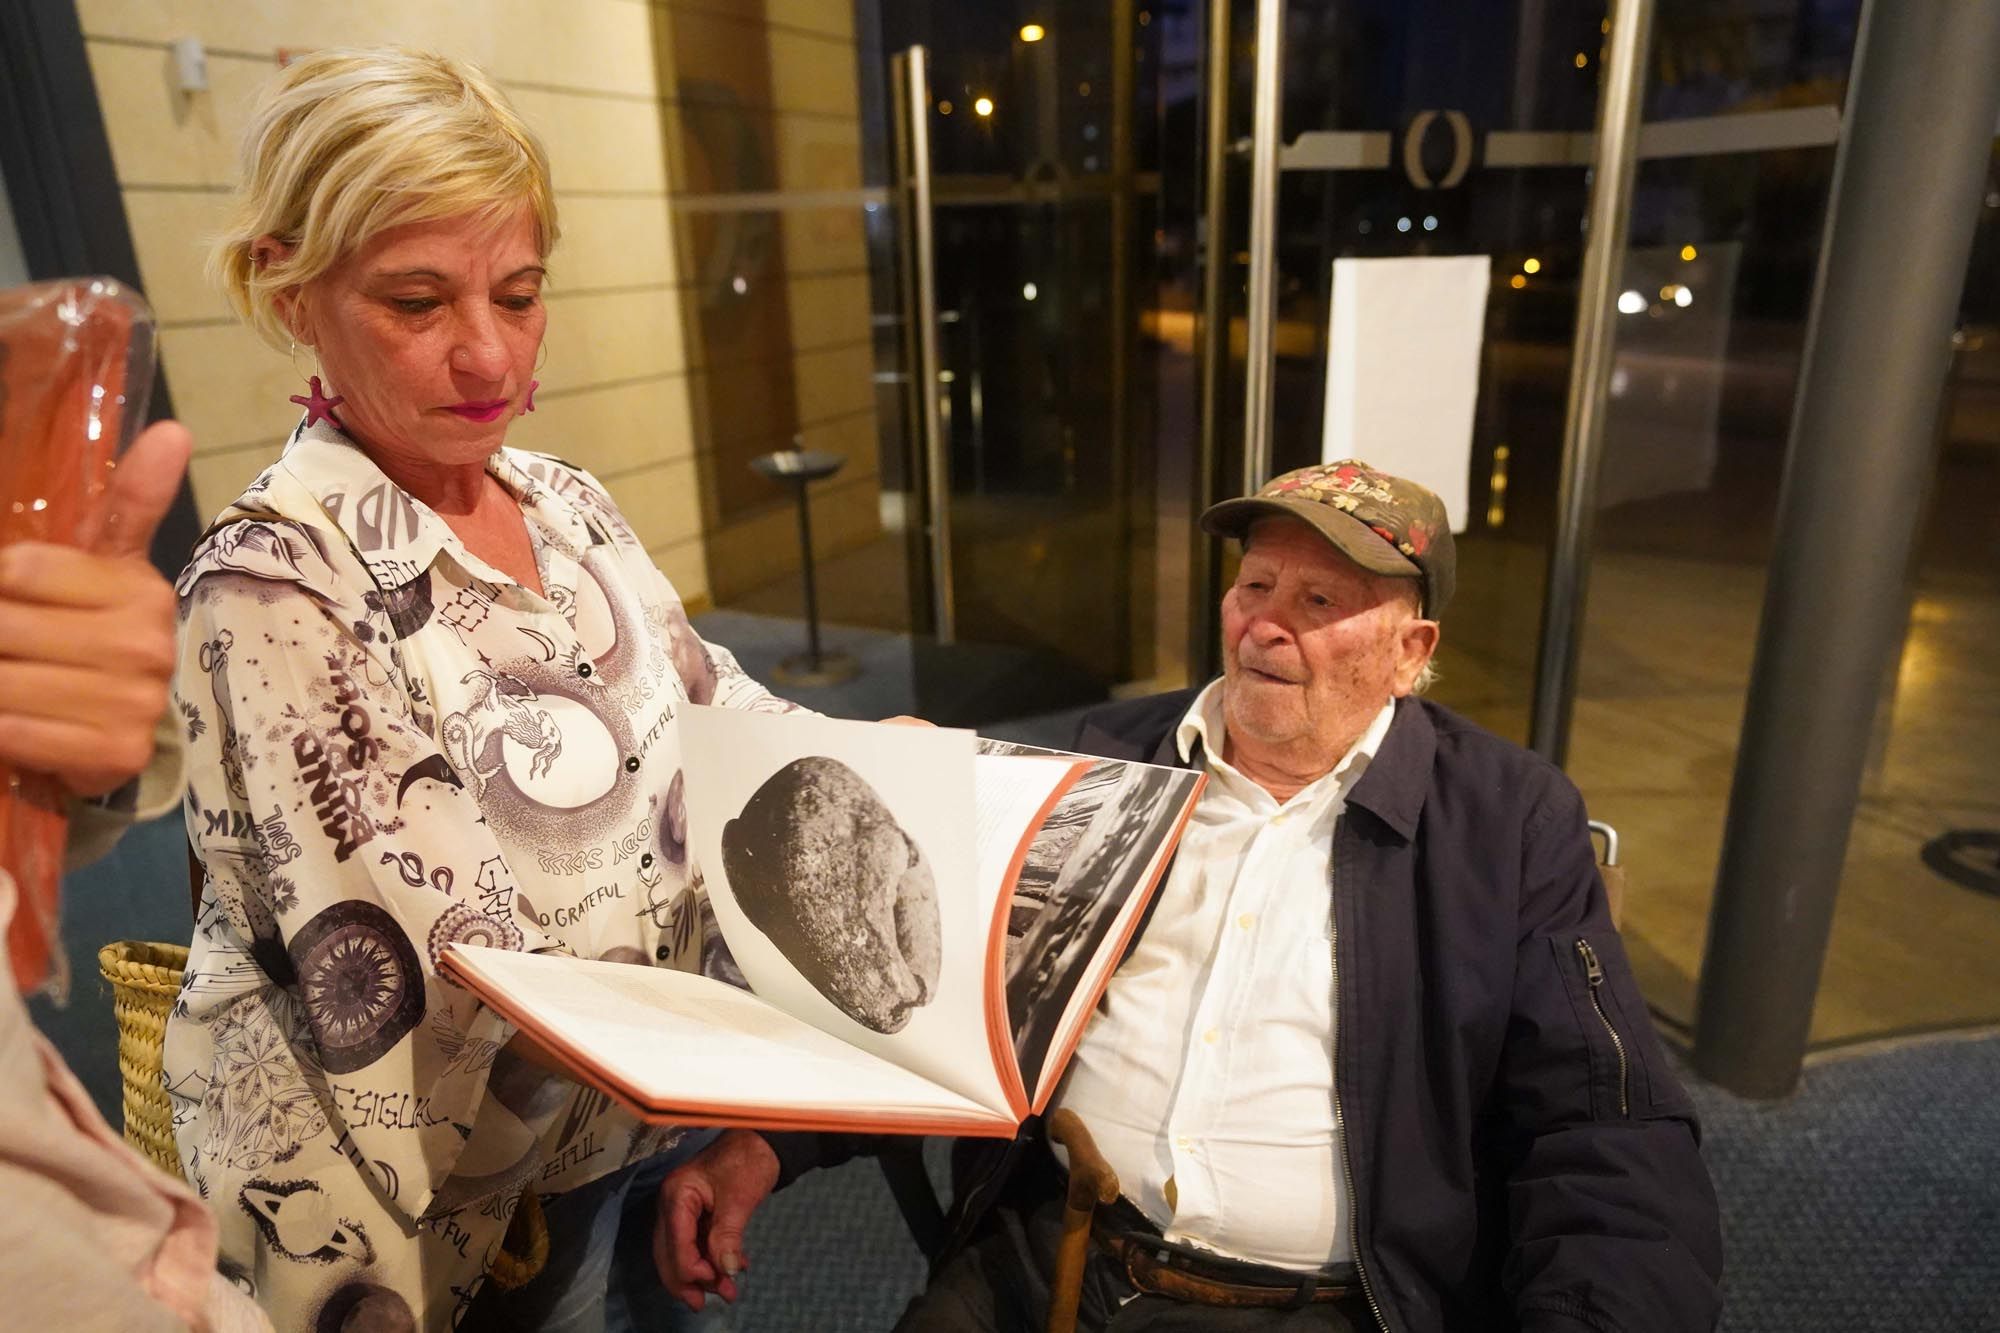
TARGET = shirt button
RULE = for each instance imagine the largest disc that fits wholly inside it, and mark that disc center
(1281, 816)
(1183, 1142)
(631, 763)
(646, 861)
(1247, 920)
(663, 953)
(1210, 1036)
(583, 669)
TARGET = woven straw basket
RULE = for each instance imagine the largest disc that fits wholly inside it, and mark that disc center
(145, 978)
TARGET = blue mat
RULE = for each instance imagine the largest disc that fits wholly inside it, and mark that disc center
(1868, 1200)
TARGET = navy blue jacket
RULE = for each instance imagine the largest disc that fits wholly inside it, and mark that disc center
(1519, 1153)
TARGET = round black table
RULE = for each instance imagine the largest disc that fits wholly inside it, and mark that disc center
(799, 468)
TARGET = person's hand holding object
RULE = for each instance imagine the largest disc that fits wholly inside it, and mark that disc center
(87, 633)
(704, 1206)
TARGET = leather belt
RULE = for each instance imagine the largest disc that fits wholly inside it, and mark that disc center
(1162, 1269)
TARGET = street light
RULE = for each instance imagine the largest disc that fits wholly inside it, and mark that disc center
(982, 106)
(1033, 32)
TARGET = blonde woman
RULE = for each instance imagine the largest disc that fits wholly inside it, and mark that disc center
(429, 686)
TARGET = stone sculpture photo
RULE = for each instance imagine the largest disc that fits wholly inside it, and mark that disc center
(820, 865)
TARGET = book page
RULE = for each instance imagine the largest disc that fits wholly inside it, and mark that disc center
(841, 862)
(679, 1046)
(1088, 875)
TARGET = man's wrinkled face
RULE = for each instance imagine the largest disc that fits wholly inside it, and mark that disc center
(1312, 644)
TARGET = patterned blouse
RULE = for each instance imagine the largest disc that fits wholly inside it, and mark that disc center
(393, 746)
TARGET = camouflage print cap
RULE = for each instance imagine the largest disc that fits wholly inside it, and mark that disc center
(1387, 525)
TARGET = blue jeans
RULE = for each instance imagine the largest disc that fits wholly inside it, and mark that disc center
(600, 1276)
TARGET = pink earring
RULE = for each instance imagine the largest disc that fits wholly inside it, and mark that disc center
(529, 406)
(318, 406)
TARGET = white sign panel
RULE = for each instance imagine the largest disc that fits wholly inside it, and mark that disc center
(1402, 371)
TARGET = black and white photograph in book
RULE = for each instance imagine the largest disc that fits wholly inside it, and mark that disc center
(1078, 873)
(821, 866)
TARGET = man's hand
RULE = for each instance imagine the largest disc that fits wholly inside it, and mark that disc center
(87, 634)
(905, 720)
(704, 1206)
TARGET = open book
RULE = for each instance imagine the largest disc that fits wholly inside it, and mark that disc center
(925, 920)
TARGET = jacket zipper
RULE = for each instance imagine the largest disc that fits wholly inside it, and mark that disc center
(1346, 1162)
(1594, 971)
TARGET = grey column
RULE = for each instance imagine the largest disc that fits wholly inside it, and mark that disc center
(1907, 183)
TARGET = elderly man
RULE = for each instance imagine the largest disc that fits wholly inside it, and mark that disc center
(1377, 1059)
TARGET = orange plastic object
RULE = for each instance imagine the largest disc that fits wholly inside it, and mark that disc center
(76, 363)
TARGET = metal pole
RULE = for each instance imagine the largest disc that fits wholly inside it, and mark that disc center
(1203, 650)
(806, 569)
(1619, 106)
(1907, 183)
(913, 83)
(1266, 141)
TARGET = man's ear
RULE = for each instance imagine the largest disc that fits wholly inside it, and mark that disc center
(1416, 641)
(265, 251)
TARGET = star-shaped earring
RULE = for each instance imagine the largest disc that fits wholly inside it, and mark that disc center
(529, 406)
(318, 406)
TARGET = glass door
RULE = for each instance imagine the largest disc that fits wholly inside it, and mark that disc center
(1432, 130)
(1027, 153)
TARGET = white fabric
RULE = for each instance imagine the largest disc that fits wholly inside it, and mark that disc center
(1206, 1077)
(1402, 368)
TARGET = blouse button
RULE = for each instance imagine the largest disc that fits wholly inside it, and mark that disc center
(631, 763)
(646, 861)
(583, 669)
(663, 953)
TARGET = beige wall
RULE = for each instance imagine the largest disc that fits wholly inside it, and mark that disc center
(765, 152)
(584, 74)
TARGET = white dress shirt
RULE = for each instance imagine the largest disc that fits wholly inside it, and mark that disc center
(1206, 1077)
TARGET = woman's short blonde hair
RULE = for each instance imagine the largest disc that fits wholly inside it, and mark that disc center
(348, 143)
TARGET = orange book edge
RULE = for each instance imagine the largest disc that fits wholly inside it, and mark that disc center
(999, 1032)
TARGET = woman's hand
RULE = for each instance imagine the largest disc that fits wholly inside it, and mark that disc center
(87, 635)
(704, 1206)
